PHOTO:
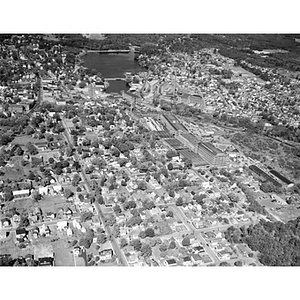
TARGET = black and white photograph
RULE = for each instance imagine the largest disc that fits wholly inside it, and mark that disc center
(135, 149)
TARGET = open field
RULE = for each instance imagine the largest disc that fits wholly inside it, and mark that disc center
(287, 213)
(25, 139)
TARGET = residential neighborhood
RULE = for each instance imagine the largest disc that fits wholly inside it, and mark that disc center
(165, 172)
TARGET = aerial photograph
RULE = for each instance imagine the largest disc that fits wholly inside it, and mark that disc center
(149, 150)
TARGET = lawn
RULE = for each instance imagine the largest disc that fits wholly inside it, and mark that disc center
(52, 203)
(23, 204)
(287, 214)
(25, 139)
(16, 172)
(164, 228)
(63, 254)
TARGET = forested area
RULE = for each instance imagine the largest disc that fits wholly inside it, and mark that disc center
(278, 244)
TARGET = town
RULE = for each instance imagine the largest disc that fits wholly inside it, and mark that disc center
(185, 168)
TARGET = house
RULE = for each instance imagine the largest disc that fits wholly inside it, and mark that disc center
(76, 224)
(77, 251)
(243, 249)
(106, 254)
(46, 261)
(16, 108)
(50, 215)
(41, 145)
(44, 254)
(132, 258)
(21, 235)
(43, 190)
(196, 258)
(69, 231)
(206, 259)
(36, 161)
(223, 255)
(187, 261)
(21, 194)
(62, 225)
(170, 262)
(128, 249)
(198, 249)
(57, 188)
(2, 235)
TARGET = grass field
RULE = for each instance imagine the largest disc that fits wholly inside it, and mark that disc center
(24, 139)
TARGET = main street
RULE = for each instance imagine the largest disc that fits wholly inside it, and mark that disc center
(100, 214)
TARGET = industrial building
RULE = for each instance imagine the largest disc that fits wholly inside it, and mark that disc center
(172, 123)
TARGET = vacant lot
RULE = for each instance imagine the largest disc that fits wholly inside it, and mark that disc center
(52, 203)
(63, 254)
(25, 139)
(21, 205)
(286, 214)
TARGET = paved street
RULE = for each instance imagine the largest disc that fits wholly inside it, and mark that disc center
(100, 214)
(197, 234)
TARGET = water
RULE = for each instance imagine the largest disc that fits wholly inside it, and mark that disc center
(112, 66)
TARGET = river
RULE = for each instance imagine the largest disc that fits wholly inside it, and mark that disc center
(112, 66)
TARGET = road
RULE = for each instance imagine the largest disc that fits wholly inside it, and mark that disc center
(197, 233)
(100, 214)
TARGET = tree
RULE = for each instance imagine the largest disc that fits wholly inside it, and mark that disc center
(149, 232)
(31, 149)
(170, 154)
(238, 263)
(136, 244)
(95, 144)
(149, 205)
(117, 209)
(68, 193)
(101, 239)
(172, 245)
(31, 175)
(99, 199)
(146, 250)
(8, 196)
(170, 214)
(76, 180)
(111, 220)
(163, 248)
(199, 198)
(37, 196)
(129, 205)
(179, 202)
(182, 183)
(188, 163)
(87, 240)
(85, 216)
(115, 152)
(51, 160)
(170, 166)
(142, 234)
(172, 193)
(224, 264)
(123, 243)
(186, 241)
(24, 221)
(82, 84)
(142, 185)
